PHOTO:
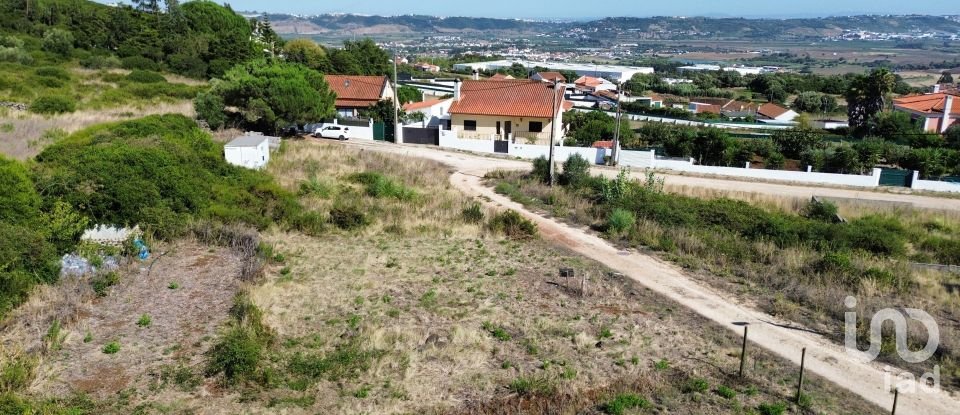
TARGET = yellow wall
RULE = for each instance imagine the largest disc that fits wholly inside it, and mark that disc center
(487, 128)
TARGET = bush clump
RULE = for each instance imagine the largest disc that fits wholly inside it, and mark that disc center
(576, 171)
(620, 221)
(473, 213)
(380, 186)
(349, 217)
(145, 77)
(139, 62)
(541, 169)
(620, 404)
(53, 104)
(513, 225)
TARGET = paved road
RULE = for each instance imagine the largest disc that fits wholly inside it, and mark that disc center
(825, 358)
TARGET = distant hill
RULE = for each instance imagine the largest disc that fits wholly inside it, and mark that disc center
(649, 27)
(288, 24)
(740, 28)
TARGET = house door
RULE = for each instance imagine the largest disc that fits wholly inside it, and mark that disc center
(498, 127)
(508, 129)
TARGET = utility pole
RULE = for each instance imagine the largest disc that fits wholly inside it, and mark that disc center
(396, 99)
(557, 86)
(614, 152)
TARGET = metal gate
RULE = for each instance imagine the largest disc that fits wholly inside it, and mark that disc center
(501, 146)
(429, 136)
(379, 131)
(896, 178)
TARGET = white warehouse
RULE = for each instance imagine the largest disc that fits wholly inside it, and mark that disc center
(612, 72)
(250, 151)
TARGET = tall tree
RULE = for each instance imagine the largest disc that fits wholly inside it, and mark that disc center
(946, 78)
(866, 97)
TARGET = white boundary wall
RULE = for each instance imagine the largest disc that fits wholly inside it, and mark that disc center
(648, 159)
(934, 185)
(449, 139)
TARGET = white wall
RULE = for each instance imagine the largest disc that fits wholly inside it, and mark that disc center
(361, 133)
(450, 139)
(249, 157)
(933, 185)
(647, 159)
(560, 154)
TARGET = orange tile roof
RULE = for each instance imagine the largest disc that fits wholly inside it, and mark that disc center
(771, 110)
(356, 90)
(603, 144)
(713, 109)
(589, 81)
(510, 98)
(413, 106)
(553, 76)
(928, 103)
(500, 77)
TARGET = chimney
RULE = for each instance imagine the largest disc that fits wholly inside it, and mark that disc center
(936, 88)
(456, 89)
(476, 75)
(947, 109)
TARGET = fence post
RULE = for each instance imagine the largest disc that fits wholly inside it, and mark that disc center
(743, 351)
(896, 396)
(803, 360)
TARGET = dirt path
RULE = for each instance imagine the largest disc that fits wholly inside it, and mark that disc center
(829, 360)
(479, 165)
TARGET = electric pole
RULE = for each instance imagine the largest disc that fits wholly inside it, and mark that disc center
(396, 104)
(557, 87)
(616, 133)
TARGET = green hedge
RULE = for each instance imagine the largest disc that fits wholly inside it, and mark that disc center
(53, 104)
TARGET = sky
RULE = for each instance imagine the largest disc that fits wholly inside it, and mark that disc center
(580, 9)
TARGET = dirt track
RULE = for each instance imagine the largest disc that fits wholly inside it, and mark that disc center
(824, 358)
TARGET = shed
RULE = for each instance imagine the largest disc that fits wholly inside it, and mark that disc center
(250, 151)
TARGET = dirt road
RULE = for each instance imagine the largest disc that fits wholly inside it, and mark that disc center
(479, 165)
(828, 360)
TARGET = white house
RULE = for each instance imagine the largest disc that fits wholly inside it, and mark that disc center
(433, 110)
(250, 151)
(770, 111)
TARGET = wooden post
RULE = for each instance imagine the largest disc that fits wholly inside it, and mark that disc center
(896, 395)
(743, 351)
(803, 360)
(583, 283)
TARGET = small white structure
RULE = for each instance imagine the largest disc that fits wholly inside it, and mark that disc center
(250, 151)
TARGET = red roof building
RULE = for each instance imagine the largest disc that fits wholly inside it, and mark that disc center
(356, 92)
(506, 109)
(934, 112)
(549, 77)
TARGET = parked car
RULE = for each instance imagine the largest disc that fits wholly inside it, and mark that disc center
(338, 132)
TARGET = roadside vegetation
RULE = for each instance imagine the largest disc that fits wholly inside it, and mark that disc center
(797, 261)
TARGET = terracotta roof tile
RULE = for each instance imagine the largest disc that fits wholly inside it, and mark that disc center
(413, 106)
(500, 77)
(770, 110)
(928, 103)
(510, 98)
(553, 76)
(602, 144)
(356, 90)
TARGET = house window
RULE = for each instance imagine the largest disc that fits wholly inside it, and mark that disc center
(536, 127)
(469, 125)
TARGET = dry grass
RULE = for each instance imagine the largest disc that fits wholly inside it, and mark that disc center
(24, 135)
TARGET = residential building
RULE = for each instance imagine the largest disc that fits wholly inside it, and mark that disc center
(614, 72)
(934, 113)
(703, 108)
(591, 84)
(549, 77)
(774, 112)
(433, 110)
(742, 70)
(501, 77)
(520, 111)
(355, 92)
(250, 150)
(426, 67)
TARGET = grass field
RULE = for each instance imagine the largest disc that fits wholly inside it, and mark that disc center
(420, 305)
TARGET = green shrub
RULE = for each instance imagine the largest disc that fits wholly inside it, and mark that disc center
(145, 77)
(236, 354)
(497, 332)
(348, 217)
(696, 385)
(541, 169)
(111, 348)
(620, 221)
(576, 170)
(16, 373)
(53, 72)
(50, 83)
(379, 186)
(53, 104)
(527, 386)
(772, 408)
(101, 283)
(513, 225)
(347, 361)
(473, 213)
(822, 211)
(58, 41)
(726, 392)
(139, 62)
(623, 402)
(100, 62)
(15, 55)
(144, 321)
